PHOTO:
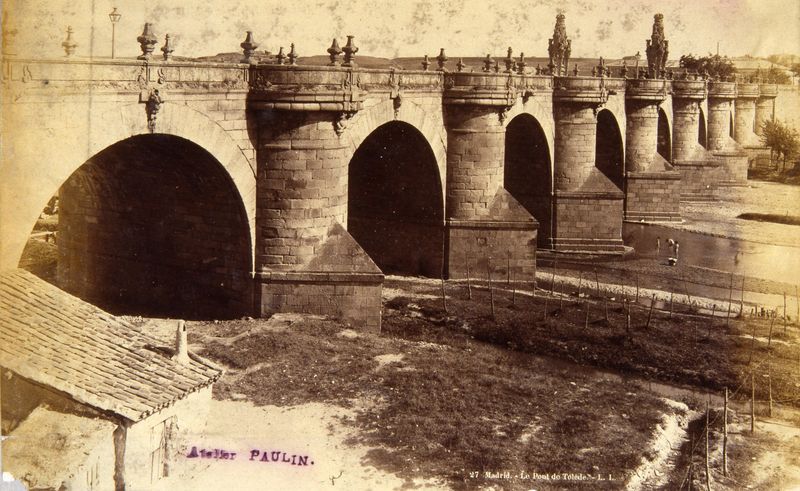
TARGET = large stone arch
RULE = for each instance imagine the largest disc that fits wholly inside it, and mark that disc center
(60, 137)
(664, 135)
(702, 134)
(541, 109)
(431, 126)
(528, 171)
(610, 148)
(395, 207)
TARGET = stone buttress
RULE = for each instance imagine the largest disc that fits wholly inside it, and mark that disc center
(699, 170)
(652, 185)
(587, 208)
(485, 225)
(305, 260)
(765, 111)
(733, 159)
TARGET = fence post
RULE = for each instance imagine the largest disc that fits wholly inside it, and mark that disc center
(580, 281)
(597, 282)
(725, 435)
(553, 279)
(769, 378)
(784, 312)
(730, 300)
(650, 313)
(670, 305)
(489, 277)
(708, 467)
(637, 287)
(444, 297)
(752, 402)
(586, 320)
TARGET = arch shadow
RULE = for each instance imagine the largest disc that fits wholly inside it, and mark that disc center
(395, 201)
(528, 171)
(664, 136)
(702, 138)
(609, 153)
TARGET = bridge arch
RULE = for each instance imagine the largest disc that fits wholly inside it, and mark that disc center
(43, 158)
(528, 172)
(395, 201)
(701, 130)
(609, 150)
(664, 136)
(154, 225)
(429, 125)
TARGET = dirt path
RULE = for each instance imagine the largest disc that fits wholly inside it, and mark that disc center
(315, 430)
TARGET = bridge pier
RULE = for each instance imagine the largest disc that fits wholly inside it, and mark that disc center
(652, 185)
(699, 170)
(588, 207)
(485, 226)
(305, 260)
(734, 161)
(765, 111)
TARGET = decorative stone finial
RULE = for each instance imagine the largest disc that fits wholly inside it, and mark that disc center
(559, 48)
(69, 44)
(147, 41)
(460, 66)
(426, 63)
(249, 47)
(602, 71)
(575, 71)
(509, 60)
(281, 56)
(521, 64)
(441, 60)
(487, 63)
(167, 49)
(657, 49)
(538, 69)
(292, 55)
(350, 51)
(496, 67)
(624, 70)
(334, 51)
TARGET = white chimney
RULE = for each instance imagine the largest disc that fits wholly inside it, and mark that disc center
(181, 344)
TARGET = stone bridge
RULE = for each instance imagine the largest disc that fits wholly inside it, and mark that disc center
(250, 188)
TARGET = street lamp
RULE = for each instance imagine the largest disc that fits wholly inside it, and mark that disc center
(114, 17)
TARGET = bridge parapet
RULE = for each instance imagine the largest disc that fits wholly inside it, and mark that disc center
(747, 91)
(131, 75)
(768, 91)
(721, 90)
(689, 89)
(647, 89)
(589, 90)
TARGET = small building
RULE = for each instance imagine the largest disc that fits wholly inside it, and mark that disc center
(89, 401)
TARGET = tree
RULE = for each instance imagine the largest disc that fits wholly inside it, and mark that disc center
(774, 76)
(781, 139)
(717, 67)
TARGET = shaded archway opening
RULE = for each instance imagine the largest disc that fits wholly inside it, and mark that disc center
(730, 125)
(154, 226)
(608, 148)
(528, 172)
(395, 205)
(701, 130)
(664, 145)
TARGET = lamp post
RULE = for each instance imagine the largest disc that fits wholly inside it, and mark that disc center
(114, 16)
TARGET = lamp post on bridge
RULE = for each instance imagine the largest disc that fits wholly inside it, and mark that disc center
(114, 16)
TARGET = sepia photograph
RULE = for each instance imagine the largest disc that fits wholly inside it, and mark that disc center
(519, 245)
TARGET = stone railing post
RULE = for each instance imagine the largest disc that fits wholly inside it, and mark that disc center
(483, 221)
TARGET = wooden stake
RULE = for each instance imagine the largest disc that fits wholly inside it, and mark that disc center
(752, 402)
(534, 271)
(508, 269)
(514, 290)
(650, 312)
(469, 283)
(730, 300)
(711, 321)
(708, 467)
(553, 280)
(686, 288)
(444, 298)
(769, 378)
(489, 277)
(784, 312)
(586, 320)
(670, 305)
(546, 299)
(605, 306)
(725, 435)
(637, 287)
(752, 344)
(741, 300)
(769, 339)
(580, 280)
(597, 282)
(628, 323)
(561, 297)
(797, 307)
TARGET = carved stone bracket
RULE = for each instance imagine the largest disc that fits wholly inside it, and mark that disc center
(395, 94)
(152, 105)
(340, 123)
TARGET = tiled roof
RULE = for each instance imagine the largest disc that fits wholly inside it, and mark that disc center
(53, 338)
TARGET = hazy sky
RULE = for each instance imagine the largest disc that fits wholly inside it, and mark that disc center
(610, 28)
